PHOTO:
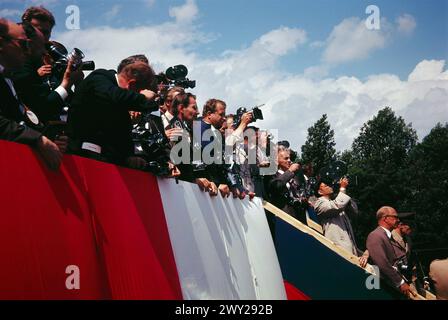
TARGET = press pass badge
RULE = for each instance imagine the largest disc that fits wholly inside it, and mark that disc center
(32, 117)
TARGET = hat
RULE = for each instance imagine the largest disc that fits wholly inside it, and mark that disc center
(406, 217)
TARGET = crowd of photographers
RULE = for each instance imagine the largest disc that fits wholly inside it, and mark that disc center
(135, 118)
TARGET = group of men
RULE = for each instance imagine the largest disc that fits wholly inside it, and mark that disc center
(107, 106)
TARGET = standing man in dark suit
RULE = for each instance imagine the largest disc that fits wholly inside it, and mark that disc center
(15, 120)
(99, 121)
(283, 188)
(382, 252)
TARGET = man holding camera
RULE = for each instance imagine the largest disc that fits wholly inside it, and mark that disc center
(32, 79)
(333, 214)
(15, 119)
(99, 120)
(284, 186)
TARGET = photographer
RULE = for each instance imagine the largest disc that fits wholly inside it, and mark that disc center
(284, 186)
(168, 106)
(99, 122)
(32, 84)
(224, 175)
(333, 214)
(15, 118)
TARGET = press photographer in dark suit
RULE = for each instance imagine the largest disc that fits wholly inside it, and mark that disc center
(36, 81)
(99, 121)
(16, 121)
(283, 188)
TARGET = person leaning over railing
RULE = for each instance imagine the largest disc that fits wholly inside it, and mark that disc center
(16, 121)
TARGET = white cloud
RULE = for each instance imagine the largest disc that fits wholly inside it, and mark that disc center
(428, 70)
(249, 77)
(351, 40)
(10, 13)
(281, 41)
(185, 13)
(113, 12)
(406, 24)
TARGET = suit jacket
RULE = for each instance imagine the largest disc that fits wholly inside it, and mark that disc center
(332, 215)
(383, 255)
(277, 190)
(11, 116)
(99, 115)
(402, 246)
(36, 94)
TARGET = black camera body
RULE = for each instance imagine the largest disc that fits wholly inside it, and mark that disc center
(61, 57)
(256, 112)
(177, 76)
(151, 145)
(332, 173)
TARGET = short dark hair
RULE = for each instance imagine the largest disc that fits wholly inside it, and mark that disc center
(141, 72)
(210, 106)
(38, 13)
(181, 99)
(132, 59)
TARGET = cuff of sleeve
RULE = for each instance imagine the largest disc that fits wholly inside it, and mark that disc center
(62, 92)
(402, 282)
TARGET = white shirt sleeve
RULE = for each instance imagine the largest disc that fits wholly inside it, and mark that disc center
(62, 92)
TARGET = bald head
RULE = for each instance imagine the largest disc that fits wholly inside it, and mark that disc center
(384, 211)
(387, 217)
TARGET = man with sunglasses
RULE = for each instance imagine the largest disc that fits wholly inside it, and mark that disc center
(16, 120)
(382, 252)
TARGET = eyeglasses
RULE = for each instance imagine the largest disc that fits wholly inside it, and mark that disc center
(392, 216)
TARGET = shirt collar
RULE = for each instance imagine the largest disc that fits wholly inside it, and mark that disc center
(388, 233)
(168, 115)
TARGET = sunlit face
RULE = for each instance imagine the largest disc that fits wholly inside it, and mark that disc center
(219, 116)
(190, 112)
(391, 219)
(325, 190)
(284, 160)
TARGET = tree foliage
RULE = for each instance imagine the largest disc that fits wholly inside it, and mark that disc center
(319, 146)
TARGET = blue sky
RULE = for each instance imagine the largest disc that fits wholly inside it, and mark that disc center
(301, 57)
(235, 24)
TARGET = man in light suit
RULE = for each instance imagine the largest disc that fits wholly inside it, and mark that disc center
(382, 252)
(333, 216)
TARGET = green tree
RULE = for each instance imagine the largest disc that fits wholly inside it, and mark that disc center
(319, 146)
(377, 162)
(427, 173)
